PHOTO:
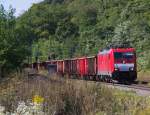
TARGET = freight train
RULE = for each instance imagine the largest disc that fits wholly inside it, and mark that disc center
(114, 64)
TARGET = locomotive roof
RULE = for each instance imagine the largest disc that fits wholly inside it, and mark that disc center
(104, 51)
(124, 49)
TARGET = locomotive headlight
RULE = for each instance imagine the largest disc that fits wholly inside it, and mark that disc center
(131, 68)
(116, 69)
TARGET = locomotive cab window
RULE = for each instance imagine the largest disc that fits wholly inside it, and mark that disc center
(118, 55)
(127, 55)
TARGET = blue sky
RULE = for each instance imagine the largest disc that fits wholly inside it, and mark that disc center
(19, 5)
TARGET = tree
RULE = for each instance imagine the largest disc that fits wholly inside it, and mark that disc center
(13, 45)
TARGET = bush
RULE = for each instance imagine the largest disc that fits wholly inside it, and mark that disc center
(71, 97)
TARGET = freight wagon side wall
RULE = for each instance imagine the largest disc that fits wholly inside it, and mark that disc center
(91, 66)
(81, 66)
(74, 66)
(60, 67)
(66, 66)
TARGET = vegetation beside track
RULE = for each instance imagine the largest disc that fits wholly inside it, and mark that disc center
(76, 97)
(144, 76)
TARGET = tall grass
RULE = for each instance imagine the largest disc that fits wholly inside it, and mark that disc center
(71, 97)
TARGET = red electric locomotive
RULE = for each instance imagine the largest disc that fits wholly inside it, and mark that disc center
(118, 64)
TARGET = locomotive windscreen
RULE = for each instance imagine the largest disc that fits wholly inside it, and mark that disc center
(127, 55)
(123, 56)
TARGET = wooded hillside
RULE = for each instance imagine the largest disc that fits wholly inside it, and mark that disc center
(70, 28)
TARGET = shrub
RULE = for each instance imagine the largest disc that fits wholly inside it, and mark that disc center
(71, 97)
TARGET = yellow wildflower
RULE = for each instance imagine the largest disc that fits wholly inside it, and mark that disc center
(37, 99)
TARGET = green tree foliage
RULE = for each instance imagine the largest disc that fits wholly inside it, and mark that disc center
(13, 44)
(72, 28)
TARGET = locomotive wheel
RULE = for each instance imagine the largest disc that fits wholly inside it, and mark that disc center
(87, 77)
(101, 78)
(90, 78)
(110, 81)
(84, 77)
(97, 78)
(94, 78)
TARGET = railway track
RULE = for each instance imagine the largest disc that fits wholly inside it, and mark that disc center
(133, 86)
(141, 90)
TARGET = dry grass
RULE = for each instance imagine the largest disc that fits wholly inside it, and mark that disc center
(70, 97)
(144, 76)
